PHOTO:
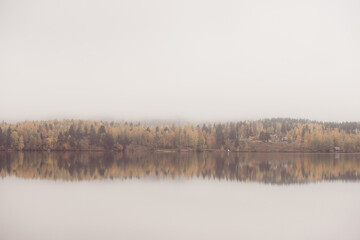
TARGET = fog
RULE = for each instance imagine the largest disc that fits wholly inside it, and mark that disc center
(192, 60)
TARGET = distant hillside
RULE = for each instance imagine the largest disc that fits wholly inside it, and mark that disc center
(278, 134)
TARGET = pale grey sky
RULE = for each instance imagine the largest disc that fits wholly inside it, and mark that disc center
(195, 60)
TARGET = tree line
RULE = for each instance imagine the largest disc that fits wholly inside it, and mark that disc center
(72, 135)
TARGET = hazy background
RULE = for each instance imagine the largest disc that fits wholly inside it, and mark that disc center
(194, 60)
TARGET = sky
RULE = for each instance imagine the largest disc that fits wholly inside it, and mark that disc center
(194, 60)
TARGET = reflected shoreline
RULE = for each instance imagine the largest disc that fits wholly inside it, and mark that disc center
(273, 168)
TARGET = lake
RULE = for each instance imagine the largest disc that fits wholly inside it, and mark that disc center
(104, 195)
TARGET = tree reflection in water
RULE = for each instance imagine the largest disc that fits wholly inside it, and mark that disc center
(275, 168)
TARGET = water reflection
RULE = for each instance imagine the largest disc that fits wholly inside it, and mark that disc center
(276, 168)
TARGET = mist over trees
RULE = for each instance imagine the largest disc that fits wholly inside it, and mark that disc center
(72, 135)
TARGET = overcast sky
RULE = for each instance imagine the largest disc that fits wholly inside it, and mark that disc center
(195, 60)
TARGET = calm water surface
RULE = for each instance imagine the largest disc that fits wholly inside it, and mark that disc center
(179, 196)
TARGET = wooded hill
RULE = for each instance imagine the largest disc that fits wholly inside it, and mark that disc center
(278, 134)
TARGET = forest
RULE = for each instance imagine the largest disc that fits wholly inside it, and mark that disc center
(277, 134)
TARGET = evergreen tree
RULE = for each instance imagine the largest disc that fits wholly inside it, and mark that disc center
(93, 136)
(1, 138)
(108, 141)
(220, 138)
